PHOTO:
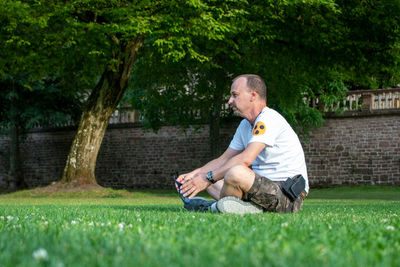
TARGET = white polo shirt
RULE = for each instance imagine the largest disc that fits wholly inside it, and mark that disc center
(283, 155)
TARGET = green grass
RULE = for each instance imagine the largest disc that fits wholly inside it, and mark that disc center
(361, 192)
(150, 228)
(104, 193)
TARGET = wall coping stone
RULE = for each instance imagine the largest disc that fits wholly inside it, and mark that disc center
(363, 113)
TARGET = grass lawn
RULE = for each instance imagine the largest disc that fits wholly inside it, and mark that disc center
(336, 227)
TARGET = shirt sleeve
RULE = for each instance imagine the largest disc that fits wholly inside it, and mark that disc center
(265, 131)
(237, 140)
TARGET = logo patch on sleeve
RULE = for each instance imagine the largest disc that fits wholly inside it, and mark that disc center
(259, 129)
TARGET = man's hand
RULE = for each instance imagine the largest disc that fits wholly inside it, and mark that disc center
(184, 176)
(193, 184)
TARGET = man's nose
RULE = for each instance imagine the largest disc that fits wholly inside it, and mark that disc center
(230, 101)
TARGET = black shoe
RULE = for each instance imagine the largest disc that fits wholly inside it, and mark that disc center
(198, 204)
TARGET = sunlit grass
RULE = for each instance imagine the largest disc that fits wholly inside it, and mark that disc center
(154, 230)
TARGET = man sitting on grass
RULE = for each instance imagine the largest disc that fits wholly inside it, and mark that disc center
(277, 179)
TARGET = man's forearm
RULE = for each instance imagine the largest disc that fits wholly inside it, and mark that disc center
(240, 159)
(212, 165)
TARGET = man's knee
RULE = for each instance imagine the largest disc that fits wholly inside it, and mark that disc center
(237, 175)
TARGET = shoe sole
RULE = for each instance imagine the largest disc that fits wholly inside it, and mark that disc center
(236, 206)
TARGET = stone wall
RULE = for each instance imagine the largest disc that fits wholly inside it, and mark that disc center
(128, 158)
(362, 149)
(355, 150)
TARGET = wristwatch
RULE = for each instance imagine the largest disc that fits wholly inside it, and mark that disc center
(209, 177)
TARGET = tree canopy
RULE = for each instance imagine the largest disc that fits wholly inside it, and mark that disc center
(303, 50)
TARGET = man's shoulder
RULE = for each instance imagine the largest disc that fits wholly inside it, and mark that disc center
(270, 114)
(271, 117)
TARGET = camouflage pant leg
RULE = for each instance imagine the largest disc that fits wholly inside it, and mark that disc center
(268, 194)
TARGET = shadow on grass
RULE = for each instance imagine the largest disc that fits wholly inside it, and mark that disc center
(151, 208)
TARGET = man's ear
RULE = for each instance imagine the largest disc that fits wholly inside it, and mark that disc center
(254, 96)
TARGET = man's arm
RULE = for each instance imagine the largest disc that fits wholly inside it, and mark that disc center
(212, 165)
(192, 185)
(245, 158)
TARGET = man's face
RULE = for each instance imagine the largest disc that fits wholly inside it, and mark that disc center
(240, 99)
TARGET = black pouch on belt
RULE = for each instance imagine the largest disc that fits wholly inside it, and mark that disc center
(292, 188)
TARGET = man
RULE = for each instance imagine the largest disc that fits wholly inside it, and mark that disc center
(277, 179)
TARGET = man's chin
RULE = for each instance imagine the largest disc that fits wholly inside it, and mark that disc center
(236, 113)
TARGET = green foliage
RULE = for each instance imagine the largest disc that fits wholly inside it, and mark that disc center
(44, 103)
(172, 93)
(190, 90)
(76, 41)
(303, 49)
(299, 47)
(127, 232)
(376, 49)
(320, 49)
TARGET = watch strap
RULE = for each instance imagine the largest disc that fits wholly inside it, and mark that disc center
(209, 177)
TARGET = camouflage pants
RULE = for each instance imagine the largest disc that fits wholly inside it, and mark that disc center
(268, 194)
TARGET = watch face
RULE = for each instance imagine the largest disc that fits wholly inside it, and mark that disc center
(209, 176)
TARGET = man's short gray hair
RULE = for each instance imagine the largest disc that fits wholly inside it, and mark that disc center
(255, 83)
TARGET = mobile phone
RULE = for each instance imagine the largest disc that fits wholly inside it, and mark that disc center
(184, 199)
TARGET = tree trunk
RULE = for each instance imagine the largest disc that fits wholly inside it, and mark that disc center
(15, 179)
(215, 145)
(103, 101)
(215, 118)
(14, 157)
